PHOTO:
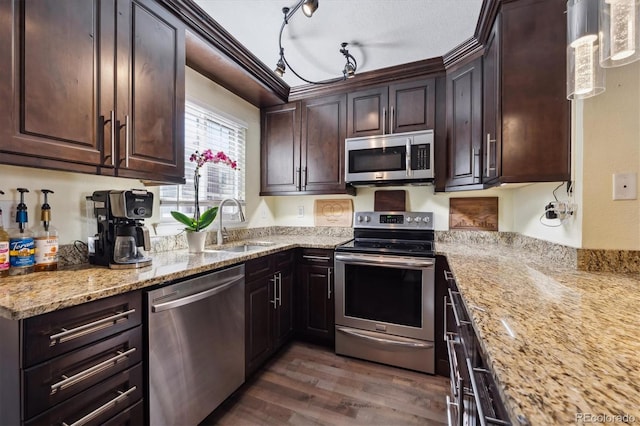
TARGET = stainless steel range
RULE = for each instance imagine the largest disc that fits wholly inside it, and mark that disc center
(384, 284)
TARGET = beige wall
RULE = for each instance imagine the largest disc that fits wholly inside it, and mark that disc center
(611, 145)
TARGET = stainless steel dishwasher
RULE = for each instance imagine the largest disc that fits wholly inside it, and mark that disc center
(196, 346)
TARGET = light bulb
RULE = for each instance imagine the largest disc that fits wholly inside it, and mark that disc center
(622, 30)
(584, 73)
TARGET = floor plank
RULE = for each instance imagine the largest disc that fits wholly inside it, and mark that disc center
(310, 385)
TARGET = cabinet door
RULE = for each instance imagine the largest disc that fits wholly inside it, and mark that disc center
(464, 124)
(536, 116)
(150, 81)
(258, 316)
(322, 148)
(491, 106)
(412, 105)
(50, 103)
(367, 111)
(283, 324)
(280, 149)
(317, 303)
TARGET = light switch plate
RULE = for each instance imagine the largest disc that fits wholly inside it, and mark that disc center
(300, 211)
(625, 186)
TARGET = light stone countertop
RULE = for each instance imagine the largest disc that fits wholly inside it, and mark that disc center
(559, 341)
(38, 293)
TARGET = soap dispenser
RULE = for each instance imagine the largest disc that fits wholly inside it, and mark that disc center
(46, 239)
(21, 244)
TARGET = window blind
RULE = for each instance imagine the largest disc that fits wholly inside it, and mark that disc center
(204, 129)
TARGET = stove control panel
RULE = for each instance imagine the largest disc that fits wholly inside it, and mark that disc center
(393, 220)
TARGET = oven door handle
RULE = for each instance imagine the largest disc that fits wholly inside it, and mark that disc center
(407, 343)
(390, 261)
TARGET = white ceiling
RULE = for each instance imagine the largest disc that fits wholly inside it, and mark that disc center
(380, 33)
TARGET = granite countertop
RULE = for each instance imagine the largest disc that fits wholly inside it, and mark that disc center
(38, 293)
(560, 342)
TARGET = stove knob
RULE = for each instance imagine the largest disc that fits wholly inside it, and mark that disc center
(426, 219)
(409, 219)
(367, 219)
(360, 218)
(418, 219)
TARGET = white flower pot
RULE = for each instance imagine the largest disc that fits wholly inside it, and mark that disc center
(196, 241)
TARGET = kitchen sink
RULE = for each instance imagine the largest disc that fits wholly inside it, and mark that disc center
(245, 247)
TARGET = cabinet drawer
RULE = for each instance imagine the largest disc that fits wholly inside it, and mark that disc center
(54, 381)
(132, 416)
(56, 333)
(256, 268)
(320, 257)
(104, 401)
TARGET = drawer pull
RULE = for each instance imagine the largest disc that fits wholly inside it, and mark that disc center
(316, 258)
(98, 411)
(85, 374)
(66, 335)
(454, 308)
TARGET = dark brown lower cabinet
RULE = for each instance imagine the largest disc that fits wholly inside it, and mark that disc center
(89, 371)
(268, 307)
(316, 310)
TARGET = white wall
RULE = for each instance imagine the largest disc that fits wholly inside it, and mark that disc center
(419, 198)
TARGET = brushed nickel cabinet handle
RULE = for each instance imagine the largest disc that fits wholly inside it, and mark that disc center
(127, 125)
(328, 283)
(82, 330)
(279, 288)
(85, 374)
(392, 120)
(384, 120)
(316, 258)
(102, 409)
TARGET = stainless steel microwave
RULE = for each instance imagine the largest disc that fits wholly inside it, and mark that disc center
(390, 159)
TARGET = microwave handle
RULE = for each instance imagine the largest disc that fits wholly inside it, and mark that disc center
(408, 157)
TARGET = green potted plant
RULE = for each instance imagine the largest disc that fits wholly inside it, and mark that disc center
(199, 222)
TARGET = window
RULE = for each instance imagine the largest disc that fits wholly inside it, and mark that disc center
(204, 129)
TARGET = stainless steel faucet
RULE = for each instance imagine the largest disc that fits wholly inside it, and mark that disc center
(219, 236)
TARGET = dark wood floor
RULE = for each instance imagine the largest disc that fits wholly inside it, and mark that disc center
(310, 385)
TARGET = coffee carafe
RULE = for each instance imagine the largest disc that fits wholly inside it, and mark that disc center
(122, 239)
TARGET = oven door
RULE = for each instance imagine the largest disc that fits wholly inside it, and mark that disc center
(386, 294)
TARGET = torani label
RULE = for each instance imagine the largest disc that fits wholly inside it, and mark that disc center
(46, 250)
(4, 255)
(22, 252)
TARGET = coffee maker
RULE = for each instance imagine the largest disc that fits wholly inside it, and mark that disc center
(122, 239)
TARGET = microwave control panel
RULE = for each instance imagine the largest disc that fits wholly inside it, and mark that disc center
(420, 157)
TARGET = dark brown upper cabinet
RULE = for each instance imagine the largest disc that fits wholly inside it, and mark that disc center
(525, 87)
(72, 60)
(400, 107)
(303, 147)
(464, 124)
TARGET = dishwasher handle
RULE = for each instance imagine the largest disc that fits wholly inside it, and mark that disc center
(170, 304)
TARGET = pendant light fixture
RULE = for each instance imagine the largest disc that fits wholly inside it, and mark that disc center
(308, 8)
(619, 35)
(585, 77)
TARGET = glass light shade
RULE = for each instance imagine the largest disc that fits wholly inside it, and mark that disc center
(585, 77)
(619, 35)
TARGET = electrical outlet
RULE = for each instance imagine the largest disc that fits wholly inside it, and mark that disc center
(300, 211)
(625, 186)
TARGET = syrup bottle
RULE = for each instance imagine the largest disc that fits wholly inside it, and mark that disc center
(4, 248)
(46, 239)
(21, 244)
